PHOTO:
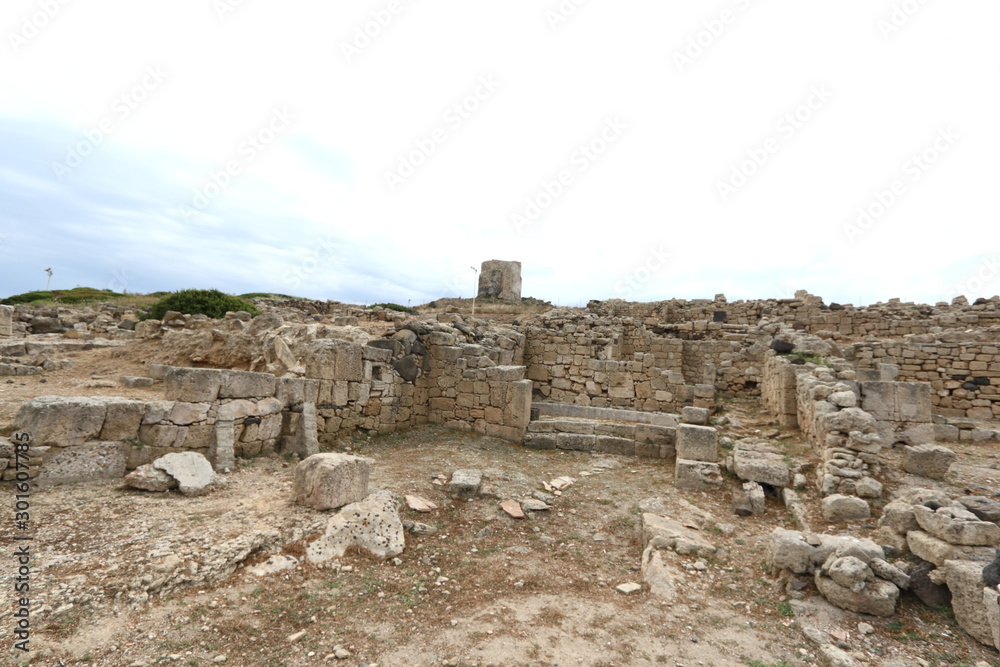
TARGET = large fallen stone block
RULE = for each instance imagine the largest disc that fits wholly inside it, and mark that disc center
(763, 467)
(697, 443)
(878, 597)
(697, 475)
(957, 526)
(928, 460)
(192, 471)
(372, 524)
(62, 421)
(245, 384)
(663, 578)
(791, 550)
(331, 480)
(965, 581)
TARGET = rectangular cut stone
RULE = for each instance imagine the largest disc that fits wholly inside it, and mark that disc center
(192, 385)
(933, 550)
(762, 467)
(965, 581)
(697, 443)
(6, 321)
(576, 441)
(879, 399)
(244, 384)
(89, 462)
(331, 480)
(613, 445)
(913, 401)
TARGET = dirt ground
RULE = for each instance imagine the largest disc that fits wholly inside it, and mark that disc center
(482, 589)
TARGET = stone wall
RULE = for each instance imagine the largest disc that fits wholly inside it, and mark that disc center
(6, 321)
(964, 376)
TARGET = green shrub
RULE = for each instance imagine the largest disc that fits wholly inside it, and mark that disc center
(212, 303)
(267, 295)
(75, 295)
(395, 306)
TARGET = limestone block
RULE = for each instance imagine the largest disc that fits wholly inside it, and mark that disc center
(898, 516)
(945, 525)
(517, 412)
(937, 551)
(612, 445)
(576, 441)
(697, 443)
(192, 385)
(763, 467)
(122, 419)
(372, 524)
(791, 550)
(192, 471)
(331, 480)
(693, 415)
(965, 581)
(465, 483)
(62, 421)
(148, 478)
(244, 384)
(928, 460)
(6, 321)
(913, 401)
(184, 414)
(837, 507)
(697, 475)
(89, 462)
(877, 598)
(663, 532)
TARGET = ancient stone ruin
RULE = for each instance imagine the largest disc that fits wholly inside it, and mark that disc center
(872, 395)
(500, 280)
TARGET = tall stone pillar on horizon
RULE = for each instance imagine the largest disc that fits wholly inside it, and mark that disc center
(500, 280)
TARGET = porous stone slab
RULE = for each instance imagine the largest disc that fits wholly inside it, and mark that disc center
(663, 578)
(122, 419)
(697, 475)
(465, 483)
(148, 478)
(837, 507)
(697, 443)
(928, 460)
(89, 462)
(942, 523)
(802, 554)
(192, 471)
(372, 524)
(331, 480)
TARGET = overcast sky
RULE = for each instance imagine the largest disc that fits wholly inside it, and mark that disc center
(376, 151)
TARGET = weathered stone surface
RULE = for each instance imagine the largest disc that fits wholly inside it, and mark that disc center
(885, 570)
(465, 483)
(148, 478)
(755, 496)
(134, 382)
(845, 508)
(244, 384)
(697, 474)
(668, 533)
(123, 418)
(192, 471)
(61, 421)
(6, 321)
(372, 524)
(878, 597)
(662, 577)
(850, 572)
(851, 419)
(192, 385)
(330, 480)
(185, 414)
(949, 524)
(763, 467)
(693, 415)
(984, 508)
(937, 551)
(697, 443)
(928, 460)
(965, 581)
(89, 462)
(500, 279)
